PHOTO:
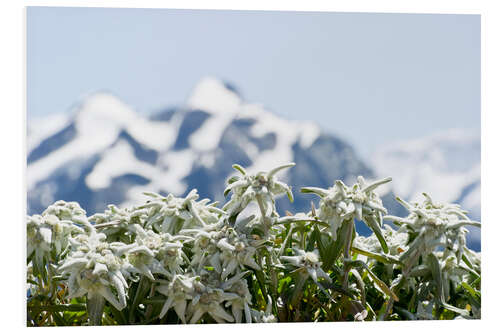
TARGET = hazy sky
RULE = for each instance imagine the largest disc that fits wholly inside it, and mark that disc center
(370, 78)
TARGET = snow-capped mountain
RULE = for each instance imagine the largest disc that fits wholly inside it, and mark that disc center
(447, 165)
(104, 152)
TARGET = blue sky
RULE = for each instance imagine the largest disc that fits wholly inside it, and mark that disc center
(370, 78)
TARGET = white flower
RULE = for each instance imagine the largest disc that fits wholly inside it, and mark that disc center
(207, 299)
(170, 214)
(93, 269)
(436, 225)
(47, 232)
(240, 305)
(236, 252)
(66, 211)
(115, 222)
(309, 263)
(154, 252)
(178, 292)
(341, 203)
(261, 187)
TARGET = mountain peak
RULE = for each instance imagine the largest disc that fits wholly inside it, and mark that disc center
(101, 111)
(212, 95)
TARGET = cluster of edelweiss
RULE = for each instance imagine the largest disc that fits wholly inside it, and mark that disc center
(200, 257)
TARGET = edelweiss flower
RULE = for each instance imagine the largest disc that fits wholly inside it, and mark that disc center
(67, 211)
(309, 263)
(436, 225)
(178, 292)
(341, 203)
(241, 304)
(152, 252)
(205, 250)
(47, 232)
(236, 252)
(116, 221)
(93, 269)
(170, 214)
(207, 299)
(261, 187)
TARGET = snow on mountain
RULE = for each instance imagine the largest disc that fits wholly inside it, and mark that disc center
(93, 127)
(447, 165)
(39, 128)
(104, 152)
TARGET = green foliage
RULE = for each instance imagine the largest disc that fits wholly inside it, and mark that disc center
(183, 260)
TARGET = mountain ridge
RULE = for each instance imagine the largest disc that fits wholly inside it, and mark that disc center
(106, 153)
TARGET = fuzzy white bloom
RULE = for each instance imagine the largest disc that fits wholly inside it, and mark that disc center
(342, 203)
(155, 252)
(47, 232)
(241, 304)
(236, 253)
(436, 225)
(309, 264)
(52, 229)
(203, 259)
(94, 269)
(209, 299)
(178, 292)
(205, 250)
(261, 187)
(67, 211)
(170, 214)
(115, 221)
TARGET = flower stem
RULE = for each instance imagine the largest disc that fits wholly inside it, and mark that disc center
(347, 254)
(95, 307)
(396, 288)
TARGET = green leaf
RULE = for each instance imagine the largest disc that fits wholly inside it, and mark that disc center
(437, 277)
(289, 194)
(322, 248)
(58, 278)
(385, 259)
(284, 282)
(117, 315)
(60, 308)
(336, 247)
(295, 219)
(466, 286)
(314, 190)
(262, 282)
(462, 312)
(140, 293)
(381, 284)
(59, 319)
(271, 173)
(417, 242)
(476, 282)
(240, 169)
(32, 282)
(233, 179)
(375, 227)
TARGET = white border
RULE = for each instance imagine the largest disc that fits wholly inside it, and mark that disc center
(12, 102)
